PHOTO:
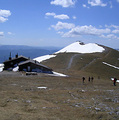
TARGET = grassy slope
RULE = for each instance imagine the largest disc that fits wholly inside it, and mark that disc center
(100, 69)
(89, 64)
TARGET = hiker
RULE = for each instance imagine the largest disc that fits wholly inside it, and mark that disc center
(89, 79)
(92, 79)
(83, 78)
(115, 79)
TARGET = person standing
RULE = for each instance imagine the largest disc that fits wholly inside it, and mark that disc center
(115, 79)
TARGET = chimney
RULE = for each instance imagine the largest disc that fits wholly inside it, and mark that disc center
(10, 56)
(17, 55)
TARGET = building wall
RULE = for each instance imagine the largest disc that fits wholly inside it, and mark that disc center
(30, 67)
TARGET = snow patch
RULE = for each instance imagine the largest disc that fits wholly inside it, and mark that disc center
(45, 57)
(42, 87)
(59, 74)
(16, 69)
(110, 65)
(77, 47)
(1, 67)
(113, 79)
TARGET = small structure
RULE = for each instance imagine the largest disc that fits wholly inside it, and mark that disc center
(21, 63)
(34, 66)
(13, 62)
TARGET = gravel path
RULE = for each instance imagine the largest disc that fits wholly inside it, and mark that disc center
(71, 60)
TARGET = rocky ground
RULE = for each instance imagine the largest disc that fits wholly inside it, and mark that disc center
(43, 97)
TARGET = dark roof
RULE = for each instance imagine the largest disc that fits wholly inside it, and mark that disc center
(17, 58)
(34, 62)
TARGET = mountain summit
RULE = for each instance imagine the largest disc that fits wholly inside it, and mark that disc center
(76, 47)
(79, 47)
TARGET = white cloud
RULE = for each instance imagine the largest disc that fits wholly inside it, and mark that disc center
(117, 0)
(10, 33)
(110, 2)
(62, 16)
(74, 17)
(77, 31)
(50, 14)
(2, 19)
(86, 30)
(110, 36)
(112, 26)
(61, 25)
(4, 14)
(61, 33)
(1, 33)
(64, 3)
(115, 31)
(85, 6)
(96, 3)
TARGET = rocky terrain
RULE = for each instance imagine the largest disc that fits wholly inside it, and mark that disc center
(44, 97)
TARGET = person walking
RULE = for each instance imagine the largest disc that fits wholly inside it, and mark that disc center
(83, 78)
(92, 79)
(89, 79)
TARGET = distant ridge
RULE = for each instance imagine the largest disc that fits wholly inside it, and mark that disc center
(27, 51)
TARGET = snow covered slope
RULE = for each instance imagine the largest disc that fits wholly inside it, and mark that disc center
(45, 57)
(76, 47)
(1, 67)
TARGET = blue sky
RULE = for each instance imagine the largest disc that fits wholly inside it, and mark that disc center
(59, 22)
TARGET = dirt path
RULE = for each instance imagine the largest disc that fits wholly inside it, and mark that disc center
(108, 52)
(71, 60)
(89, 63)
(75, 55)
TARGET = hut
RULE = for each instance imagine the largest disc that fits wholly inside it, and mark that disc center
(34, 66)
(13, 62)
